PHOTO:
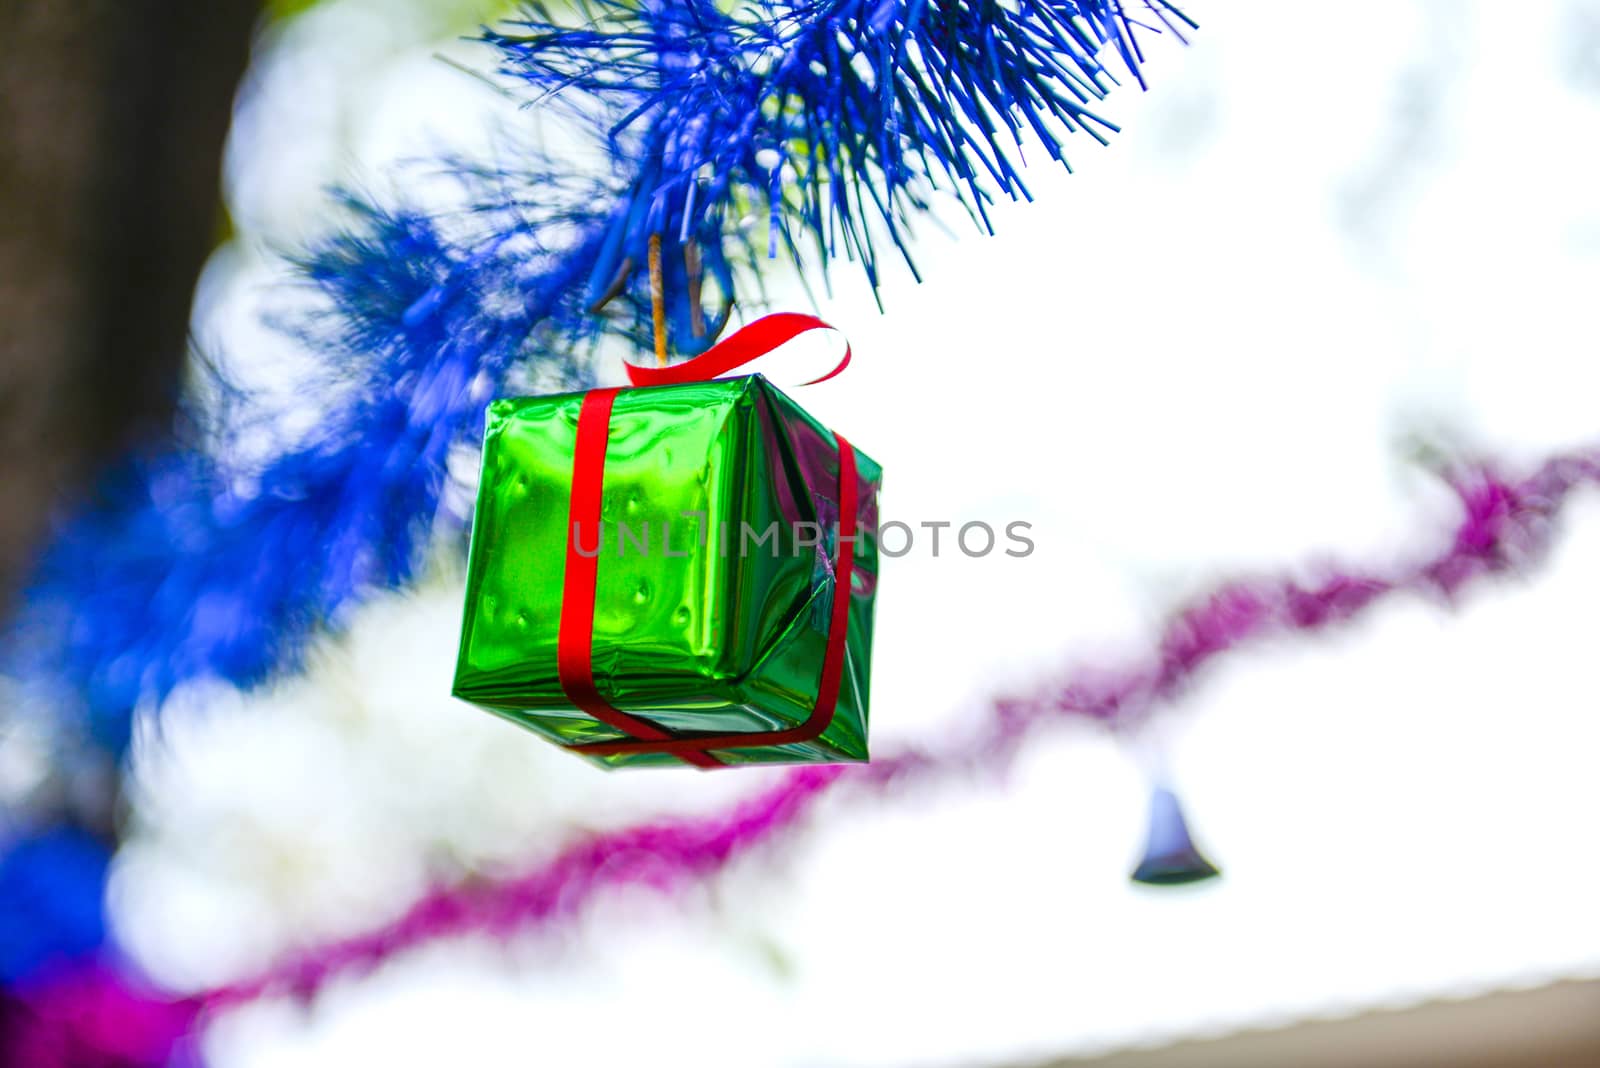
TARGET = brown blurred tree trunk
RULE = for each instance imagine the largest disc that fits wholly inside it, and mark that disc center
(112, 120)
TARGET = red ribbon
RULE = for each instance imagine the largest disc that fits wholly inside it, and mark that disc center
(574, 652)
(745, 345)
(574, 661)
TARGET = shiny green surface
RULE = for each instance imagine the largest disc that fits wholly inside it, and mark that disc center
(696, 628)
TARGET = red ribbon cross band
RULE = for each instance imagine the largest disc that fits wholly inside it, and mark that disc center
(574, 652)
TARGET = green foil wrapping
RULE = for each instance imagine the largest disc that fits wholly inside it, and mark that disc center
(715, 583)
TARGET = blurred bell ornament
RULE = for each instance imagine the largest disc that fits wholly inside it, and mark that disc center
(1170, 856)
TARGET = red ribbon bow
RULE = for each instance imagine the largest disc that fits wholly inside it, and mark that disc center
(574, 663)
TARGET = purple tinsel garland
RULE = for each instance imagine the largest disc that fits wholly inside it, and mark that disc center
(1505, 525)
(92, 1016)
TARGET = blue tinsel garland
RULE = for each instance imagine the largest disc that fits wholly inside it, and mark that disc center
(179, 574)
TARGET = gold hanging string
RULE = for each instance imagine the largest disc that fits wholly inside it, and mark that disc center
(658, 301)
(693, 268)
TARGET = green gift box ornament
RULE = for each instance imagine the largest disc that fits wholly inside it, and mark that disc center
(680, 572)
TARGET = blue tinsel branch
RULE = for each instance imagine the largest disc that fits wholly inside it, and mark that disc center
(178, 572)
(841, 114)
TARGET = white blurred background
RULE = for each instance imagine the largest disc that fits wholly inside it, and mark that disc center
(1328, 236)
